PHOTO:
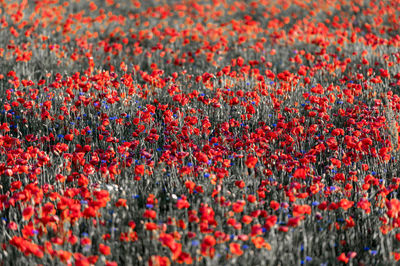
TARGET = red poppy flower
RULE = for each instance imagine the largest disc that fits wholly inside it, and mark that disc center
(157, 260)
(12, 226)
(121, 203)
(104, 249)
(235, 249)
(300, 173)
(202, 157)
(151, 214)
(150, 226)
(139, 170)
(345, 204)
(343, 258)
(85, 241)
(396, 256)
(251, 161)
(274, 205)
(238, 206)
(190, 185)
(182, 203)
(15, 185)
(28, 212)
(270, 221)
(294, 221)
(246, 219)
(258, 241)
(69, 137)
(207, 246)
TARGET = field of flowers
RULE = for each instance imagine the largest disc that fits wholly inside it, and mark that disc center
(200, 132)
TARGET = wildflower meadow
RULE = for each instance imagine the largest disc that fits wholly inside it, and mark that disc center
(199, 132)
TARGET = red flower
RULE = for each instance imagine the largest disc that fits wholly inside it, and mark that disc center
(350, 222)
(207, 246)
(190, 185)
(393, 207)
(396, 256)
(202, 157)
(69, 137)
(301, 209)
(258, 241)
(238, 206)
(157, 260)
(81, 260)
(121, 203)
(64, 255)
(86, 241)
(150, 226)
(270, 221)
(27, 213)
(251, 198)
(345, 204)
(12, 226)
(342, 257)
(235, 249)
(251, 161)
(240, 184)
(184, 258)
(139, 169)
(247, 219)
(283, 228)
(151, 214)
(274, 205)
(15, 185)
(89, 212)
(72, 239)
(293, 222)
(300, 173)
(105, 250)
(365, 205)
(182, 203)
(337, 132)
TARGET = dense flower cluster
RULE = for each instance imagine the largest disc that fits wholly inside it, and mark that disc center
(199, 132)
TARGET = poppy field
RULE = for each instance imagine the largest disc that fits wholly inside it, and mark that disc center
(210, 132)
